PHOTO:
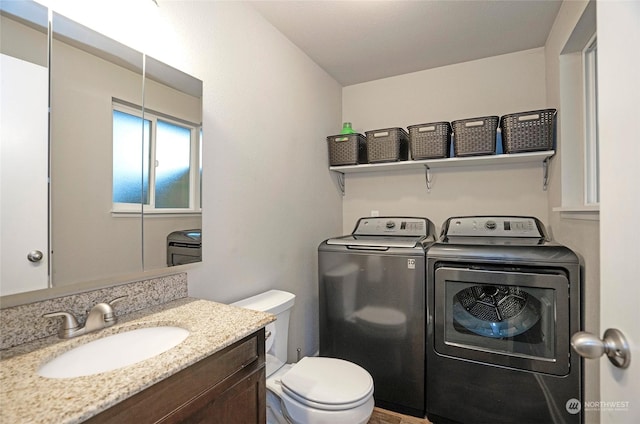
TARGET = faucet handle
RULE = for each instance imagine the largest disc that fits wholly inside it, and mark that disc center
(112, 303)
(110, 315)
(69, 323)
(117, 300)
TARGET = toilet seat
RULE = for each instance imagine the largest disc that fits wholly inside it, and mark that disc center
(328, 384)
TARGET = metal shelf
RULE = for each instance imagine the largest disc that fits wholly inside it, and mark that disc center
(429, 164)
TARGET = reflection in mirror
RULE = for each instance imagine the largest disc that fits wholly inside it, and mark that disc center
(172, 209)
(24, 259)
(95, 235)
(89, 70)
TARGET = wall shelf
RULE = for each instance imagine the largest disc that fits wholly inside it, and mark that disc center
(447, 162)
(429, 164)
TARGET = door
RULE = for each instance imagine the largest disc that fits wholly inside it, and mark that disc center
(619, 117)
(23, 176)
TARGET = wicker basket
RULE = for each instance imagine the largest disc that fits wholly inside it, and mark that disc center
(347, 149)
(387, 145)
(475, 136)
(430, 141)
(528, 131)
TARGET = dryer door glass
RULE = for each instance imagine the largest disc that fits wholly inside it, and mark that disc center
(514, 319)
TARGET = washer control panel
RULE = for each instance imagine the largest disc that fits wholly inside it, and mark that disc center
(493, 226)
(396, 226)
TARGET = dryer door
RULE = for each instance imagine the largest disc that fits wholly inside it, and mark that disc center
(507, 318)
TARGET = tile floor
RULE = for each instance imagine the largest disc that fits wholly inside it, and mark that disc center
(382, 416)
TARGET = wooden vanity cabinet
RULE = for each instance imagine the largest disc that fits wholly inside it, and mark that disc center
(226, 387)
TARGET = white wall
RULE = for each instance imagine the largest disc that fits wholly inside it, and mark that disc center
(494, 86)
(580, 235)
(269, 199)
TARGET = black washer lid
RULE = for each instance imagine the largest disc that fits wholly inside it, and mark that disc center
(376, 241)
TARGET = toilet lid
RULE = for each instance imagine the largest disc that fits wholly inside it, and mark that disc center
(328, 383)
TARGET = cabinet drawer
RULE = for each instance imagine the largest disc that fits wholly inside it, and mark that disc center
(162, 399)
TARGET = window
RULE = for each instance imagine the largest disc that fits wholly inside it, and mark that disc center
(592, 180)
(578, 112)
(156, 162)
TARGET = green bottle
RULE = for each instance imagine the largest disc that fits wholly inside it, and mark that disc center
(346, 128)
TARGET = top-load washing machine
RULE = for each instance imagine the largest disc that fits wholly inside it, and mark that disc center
(502, 303)
(372, 305)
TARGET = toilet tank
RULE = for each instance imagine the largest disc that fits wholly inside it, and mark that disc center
(279, 303)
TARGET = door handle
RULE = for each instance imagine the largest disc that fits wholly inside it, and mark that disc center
(613, 344)
(35, 256)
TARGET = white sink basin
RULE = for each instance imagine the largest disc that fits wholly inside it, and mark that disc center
(113, 352)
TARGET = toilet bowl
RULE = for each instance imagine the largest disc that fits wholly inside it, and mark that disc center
(321, 390)
(315, 390)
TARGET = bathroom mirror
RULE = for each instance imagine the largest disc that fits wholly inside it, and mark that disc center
(172, 210)
(87, 72)
(117, 119)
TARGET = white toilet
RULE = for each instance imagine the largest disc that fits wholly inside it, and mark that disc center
(316, 390)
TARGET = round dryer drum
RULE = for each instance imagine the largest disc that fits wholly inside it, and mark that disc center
(496, 311)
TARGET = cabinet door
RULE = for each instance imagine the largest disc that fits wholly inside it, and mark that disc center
(226, 387)
(23, 175)
(243, 402)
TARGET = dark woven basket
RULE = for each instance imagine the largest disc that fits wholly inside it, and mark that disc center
(430, 141)
(347, 149)
(475, 136)
(387, 145)
(528, 131)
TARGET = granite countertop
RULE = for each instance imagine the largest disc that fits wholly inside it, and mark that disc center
(27, 397)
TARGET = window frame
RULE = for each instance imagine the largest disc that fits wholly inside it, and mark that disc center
(591, 149)
(194, 164)
(578, 165)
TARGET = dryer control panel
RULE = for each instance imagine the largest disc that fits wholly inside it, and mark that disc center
(493, 226)
(396, 226)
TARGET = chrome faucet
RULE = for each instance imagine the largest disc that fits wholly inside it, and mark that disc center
(99, 317)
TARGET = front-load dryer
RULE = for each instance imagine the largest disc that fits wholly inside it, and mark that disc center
(502, 303)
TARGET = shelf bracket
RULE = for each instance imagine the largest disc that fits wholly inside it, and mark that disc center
(427, 177)
(340, 178)
(545, 173)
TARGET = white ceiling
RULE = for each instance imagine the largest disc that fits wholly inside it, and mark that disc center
(361, 40)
